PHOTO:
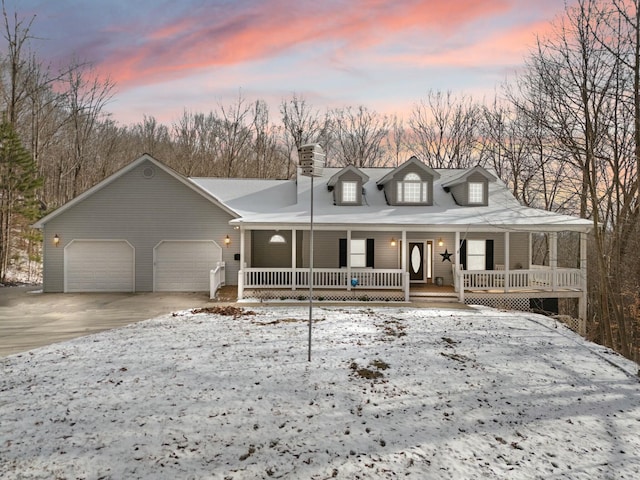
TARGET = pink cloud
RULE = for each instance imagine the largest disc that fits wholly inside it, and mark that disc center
(207, 39)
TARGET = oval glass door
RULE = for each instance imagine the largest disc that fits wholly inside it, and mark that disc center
(416, 261)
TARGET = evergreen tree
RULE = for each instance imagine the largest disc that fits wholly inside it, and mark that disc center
(19, 181)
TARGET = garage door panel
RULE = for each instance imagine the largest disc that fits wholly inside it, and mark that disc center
(184, 266)
(99, 266)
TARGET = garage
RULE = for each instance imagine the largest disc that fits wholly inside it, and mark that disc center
(99, 266)
(184, 265)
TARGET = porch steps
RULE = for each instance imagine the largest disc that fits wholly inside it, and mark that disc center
(444, 297)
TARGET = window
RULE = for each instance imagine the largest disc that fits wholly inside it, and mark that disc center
(476, 254)
(362, 252)
(412, 189)
(476, 192)
(349, 190)
(358, 253)
(277, 238)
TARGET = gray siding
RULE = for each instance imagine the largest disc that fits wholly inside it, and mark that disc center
(326, 249)
(348, 176)
(273, 255)
(518, 248)
(144, 212)
(461, 191)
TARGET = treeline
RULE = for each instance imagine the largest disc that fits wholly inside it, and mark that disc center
(563, 133)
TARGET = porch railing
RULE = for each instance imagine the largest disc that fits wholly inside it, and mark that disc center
(322, 278)
(216, 279)
(535, 278)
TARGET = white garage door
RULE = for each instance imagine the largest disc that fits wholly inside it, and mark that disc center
(184, 266)
(99, 266)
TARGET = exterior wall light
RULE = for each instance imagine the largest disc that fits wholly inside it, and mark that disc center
(56, 240)
(393, 242)
(227, 241)
(440, 242)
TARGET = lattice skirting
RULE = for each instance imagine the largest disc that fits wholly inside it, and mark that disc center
(511, 303)
(522, 304)
(576, 324)
(327, 295)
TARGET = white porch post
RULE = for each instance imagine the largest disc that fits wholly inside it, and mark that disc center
(349, 260)
(457, 276)
(294, 249)
(507, 259)
(242, 266)
(403, 265)
(582, 301)
(403, 252)
(553, 259)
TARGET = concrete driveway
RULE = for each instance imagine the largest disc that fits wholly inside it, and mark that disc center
(31, 319)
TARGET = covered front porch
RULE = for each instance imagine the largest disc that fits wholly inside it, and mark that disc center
(396, 264)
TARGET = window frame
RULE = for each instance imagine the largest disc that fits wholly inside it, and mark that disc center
(358, 253)
(475, 254)
(352, 184)
(418, 190)
(369, 253)
(473, 191)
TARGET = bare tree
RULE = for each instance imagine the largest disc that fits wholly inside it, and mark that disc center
(151, 137)
(86, 95)
(234, 137)
(360, 135)
(270, 159)
(303, 124)
(445, 130)
(397, 141)
(584, 89)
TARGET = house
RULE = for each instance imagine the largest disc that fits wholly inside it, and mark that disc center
(378, 233)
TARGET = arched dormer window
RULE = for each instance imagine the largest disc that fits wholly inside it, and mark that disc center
(411, 189)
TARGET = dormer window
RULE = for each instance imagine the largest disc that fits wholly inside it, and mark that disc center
(349, 192)
(347, 186)
(476, 192)
(411, 189)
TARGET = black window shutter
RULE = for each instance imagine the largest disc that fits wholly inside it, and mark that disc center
(342, 252)
(370, 252)
(463, 254)
(488, 259)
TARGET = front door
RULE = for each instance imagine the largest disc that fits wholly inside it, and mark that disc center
(419, 263)
(416, 261)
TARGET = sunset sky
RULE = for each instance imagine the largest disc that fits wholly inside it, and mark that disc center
(167, 56)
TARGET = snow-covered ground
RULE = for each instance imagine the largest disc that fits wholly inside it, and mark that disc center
(389, 393)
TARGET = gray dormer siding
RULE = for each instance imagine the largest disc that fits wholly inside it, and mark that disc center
(460, 191)
(348, 176)
(391, 186)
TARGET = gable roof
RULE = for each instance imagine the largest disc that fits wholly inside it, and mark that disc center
(466, 174)
(286, 203)
(123, 171)
(349, 168)
(412, 161)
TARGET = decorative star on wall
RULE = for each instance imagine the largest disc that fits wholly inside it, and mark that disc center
(446, 255)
